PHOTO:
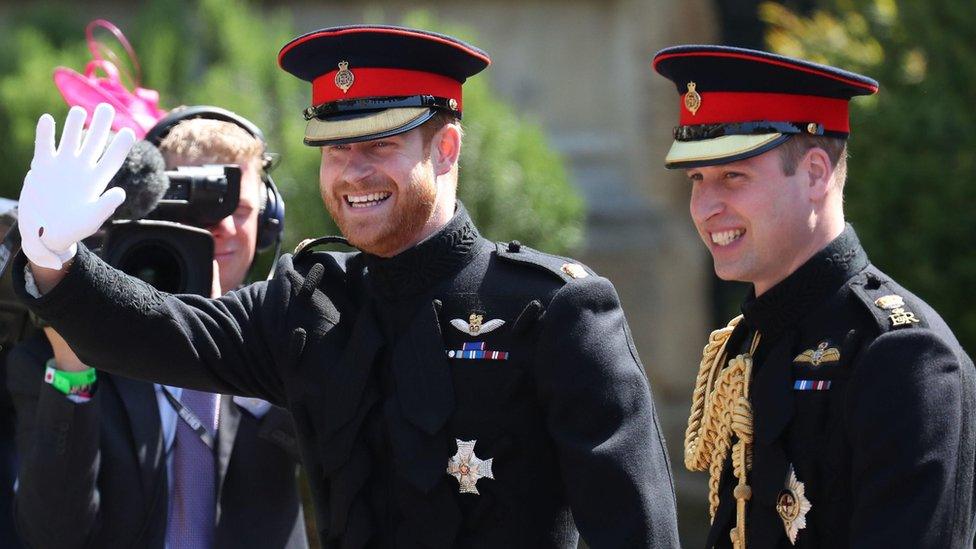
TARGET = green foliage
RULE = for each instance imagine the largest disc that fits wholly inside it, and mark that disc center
(223, 52)
(910, 188)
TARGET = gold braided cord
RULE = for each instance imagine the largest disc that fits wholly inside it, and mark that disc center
(698, 448)
(720, 409)
(741, 426)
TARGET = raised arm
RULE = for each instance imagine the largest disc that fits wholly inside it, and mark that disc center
(118, 323)
(63, 199)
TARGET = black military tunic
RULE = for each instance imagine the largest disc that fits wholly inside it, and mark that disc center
(391, 367)
(863, 390)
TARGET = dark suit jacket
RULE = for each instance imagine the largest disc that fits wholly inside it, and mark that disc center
(94, 475)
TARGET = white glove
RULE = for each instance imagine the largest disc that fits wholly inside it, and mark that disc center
(62, 201)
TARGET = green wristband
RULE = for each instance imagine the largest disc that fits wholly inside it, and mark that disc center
(68, 382)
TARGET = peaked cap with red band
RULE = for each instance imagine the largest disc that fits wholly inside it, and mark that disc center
(736, 103)
(371, 81)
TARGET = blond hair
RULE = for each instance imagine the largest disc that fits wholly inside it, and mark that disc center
(204, 140)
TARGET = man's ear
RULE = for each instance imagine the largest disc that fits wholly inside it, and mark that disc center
(445, 148)
(819, 172)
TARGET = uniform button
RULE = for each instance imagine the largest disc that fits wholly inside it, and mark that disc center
(514, 246)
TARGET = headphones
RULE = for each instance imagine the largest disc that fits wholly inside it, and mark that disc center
(271, 216)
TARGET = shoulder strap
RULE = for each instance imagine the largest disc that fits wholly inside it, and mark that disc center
(189, 418)
(887, 304)
(563, 268)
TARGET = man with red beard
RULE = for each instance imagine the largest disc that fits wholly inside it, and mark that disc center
(838, 410)
(448, 391)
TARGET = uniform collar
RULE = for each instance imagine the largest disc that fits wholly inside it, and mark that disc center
(788, 301)
(417, 269)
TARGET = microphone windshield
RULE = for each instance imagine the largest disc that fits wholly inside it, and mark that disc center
(143, 178)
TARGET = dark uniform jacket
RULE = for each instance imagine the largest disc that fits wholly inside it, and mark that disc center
(94, 474)
(358, 348)
(880, 433)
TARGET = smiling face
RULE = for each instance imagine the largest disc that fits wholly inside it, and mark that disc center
(759, 224)
(388, 194)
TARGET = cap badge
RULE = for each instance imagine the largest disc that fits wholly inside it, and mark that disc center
(474, 325)
(818, 356)
(793, 506)
(899, 316)
(344, 79)
(467, 467)
(693, 101)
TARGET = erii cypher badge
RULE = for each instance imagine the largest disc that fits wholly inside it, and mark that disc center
(693, 101)
(793, 506)
(344, 79)
(467, 468)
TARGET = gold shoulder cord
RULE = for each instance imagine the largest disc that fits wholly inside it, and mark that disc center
(720, 408)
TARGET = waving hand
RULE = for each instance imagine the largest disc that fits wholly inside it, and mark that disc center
(62, 201)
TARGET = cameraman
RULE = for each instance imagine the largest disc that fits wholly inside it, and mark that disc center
(109, 462)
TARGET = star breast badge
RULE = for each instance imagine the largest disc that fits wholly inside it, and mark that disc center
(793, 506)
(467, 468)
(476, 325)
(818, 356)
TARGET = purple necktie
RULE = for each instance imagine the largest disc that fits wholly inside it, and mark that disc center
(193, 501)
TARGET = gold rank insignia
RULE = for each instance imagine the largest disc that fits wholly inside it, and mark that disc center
(793, 506)
(344, 79)
(818, 356)
(896, 304)
(693, 101)
(574, 270)
(476, 325)
(467, 467)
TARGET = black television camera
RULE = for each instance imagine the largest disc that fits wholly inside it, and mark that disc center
(169, 248)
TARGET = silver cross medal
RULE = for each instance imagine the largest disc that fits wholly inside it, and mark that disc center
(467, 468)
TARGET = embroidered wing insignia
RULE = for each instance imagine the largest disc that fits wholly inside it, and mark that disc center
(491, 325)
(474, 325)
(818, 356)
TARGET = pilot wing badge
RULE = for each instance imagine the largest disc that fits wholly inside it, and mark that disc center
(816, 357)
(475, 325)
